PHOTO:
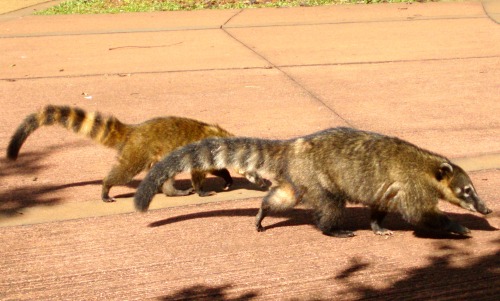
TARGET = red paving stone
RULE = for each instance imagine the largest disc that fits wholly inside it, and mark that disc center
(425, 72)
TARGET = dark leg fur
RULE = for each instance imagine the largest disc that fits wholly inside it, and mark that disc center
(197, 178)
(119, 175)
(376, 222)
(327, 220)
(441, 222)
(329, 211)
(257, 180)
(223, 173)
(264, 209)
(169, 189)
(282, 197)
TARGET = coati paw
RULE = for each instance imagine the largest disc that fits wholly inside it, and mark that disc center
(340, 233)
(206, 193)
(108, 200)
(384, 232)
(260, 228)
(227, 186)
(177, 192)
(455, 227)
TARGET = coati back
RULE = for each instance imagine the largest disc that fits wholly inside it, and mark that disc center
(329, 168)
(139, 146)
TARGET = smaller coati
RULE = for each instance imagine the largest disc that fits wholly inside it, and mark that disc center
(139, 146)
(329, 168)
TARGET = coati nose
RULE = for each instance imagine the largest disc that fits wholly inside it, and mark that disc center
(485, 210)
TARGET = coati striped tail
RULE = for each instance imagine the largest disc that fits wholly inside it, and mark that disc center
(108, 131)
(246, 155)
(29, 125)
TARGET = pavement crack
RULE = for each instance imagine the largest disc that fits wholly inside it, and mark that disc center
(230, 18)
(144, 47)
(292, 79)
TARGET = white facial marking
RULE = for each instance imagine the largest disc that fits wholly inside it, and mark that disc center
(467, 190)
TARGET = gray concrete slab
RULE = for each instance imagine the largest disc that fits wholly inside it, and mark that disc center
(457, 117)
(335, 14)
(86, 55)
(30, 25)
(390, 68)
(367, 42)
(69, 168)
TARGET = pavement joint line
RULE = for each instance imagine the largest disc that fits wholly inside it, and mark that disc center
(125, 74)
(488, 12)
(232, 17)
(291, 78)
(225, 25)
(108, 32)
(393, 61)
(271, 66)
(391, 20)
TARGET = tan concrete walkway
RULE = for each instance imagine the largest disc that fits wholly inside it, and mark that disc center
(427, 73)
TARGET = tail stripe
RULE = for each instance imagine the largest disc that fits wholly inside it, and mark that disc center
(79, 117)
(110, 126)
(97, 126)
(49, 116)
(220, 154)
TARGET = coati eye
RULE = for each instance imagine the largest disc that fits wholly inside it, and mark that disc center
(467, 190)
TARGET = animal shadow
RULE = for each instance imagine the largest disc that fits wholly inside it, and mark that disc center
(356, 218)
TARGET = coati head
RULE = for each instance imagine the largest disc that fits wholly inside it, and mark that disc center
(459, 185)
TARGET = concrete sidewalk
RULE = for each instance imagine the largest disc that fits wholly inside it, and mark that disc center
(432, 68)
(428, 73)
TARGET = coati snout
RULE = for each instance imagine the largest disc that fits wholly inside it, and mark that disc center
(463, 189)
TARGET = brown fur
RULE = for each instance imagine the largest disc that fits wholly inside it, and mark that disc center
(330, 168)
(139, 146)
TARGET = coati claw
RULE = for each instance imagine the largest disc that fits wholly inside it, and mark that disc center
(177, 192)
(108, 200)
(384, 232)
(206, 193)
(340, 233)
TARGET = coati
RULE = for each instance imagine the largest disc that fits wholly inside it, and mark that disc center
(329, 168)
(139, 146)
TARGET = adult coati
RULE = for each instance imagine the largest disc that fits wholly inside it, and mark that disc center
(329, 168)
(139, 146)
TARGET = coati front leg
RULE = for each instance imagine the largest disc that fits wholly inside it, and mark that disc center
(119, 175)
(376, 219)
(255, 178)
(223, 173)
(281, 197)
(436, 220)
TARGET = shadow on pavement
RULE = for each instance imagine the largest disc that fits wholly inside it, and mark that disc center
(207, 293)
(356, 218)
(441, 279)
(16, 198)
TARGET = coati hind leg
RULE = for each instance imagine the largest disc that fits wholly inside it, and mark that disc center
(328, 212)
(376, 219)
(197, 178)
(279, 198)
(168, 189)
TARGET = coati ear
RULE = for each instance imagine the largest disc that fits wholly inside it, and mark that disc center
(445, 171)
